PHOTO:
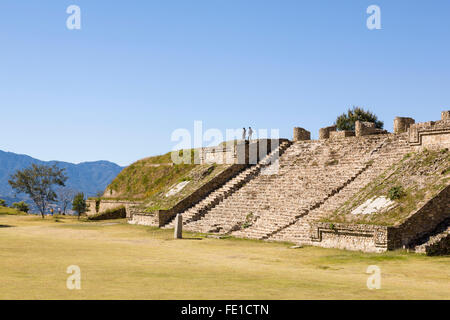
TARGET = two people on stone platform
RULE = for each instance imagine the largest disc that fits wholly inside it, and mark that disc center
(244, 133)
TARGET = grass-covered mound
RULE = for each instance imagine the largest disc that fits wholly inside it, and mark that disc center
(10, 211)
(151, 179)
(416, 179)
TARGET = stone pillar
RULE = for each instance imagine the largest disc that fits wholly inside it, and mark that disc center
(178, 233)
(363, 128)
(301, 134)
(402, 124)
(324, 133)
(445, 115)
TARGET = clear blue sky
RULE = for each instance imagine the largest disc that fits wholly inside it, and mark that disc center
(137, 70)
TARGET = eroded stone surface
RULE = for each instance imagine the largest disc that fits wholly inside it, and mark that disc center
(177, 188)
(375, 205)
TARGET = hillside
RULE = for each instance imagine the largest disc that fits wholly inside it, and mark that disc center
(400, 190)
(160, 183)
(87, 177)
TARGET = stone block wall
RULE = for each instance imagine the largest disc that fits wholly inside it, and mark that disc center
(244, 152)
(402, 124)
(341, 134)
(324, 133)
(432, 134)
(372, 238)
(367, 238)
(162, 217)
(364, 128)
(301, 134)
(422, 221)
(143, 219)
(97, 206)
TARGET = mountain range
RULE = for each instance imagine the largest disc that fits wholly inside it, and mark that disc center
(87, 177)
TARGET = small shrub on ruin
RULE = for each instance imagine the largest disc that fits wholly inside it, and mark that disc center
(396, 192)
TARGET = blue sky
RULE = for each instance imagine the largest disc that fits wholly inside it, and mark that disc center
(137, 70)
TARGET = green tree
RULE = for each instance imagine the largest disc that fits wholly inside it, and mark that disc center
(79, 204)
(21, 206)
(346, 121)
(38, 181)
(2, 203)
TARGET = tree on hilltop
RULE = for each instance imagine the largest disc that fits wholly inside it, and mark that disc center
(346, 121)
(38, 181)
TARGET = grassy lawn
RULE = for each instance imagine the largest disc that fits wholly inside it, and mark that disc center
(121, 261)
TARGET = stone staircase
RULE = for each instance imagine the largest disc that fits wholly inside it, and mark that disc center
(310, 174)
(385, 155)
(265, 165)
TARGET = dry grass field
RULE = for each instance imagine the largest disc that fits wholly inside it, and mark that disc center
(121, 261)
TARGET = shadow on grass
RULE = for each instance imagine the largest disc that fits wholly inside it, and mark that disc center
(5, 226)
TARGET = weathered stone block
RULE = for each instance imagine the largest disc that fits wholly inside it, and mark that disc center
(301, 134)
(178, 232)
(341, 134)
(324, 133)
(402, 124)
(364, 128)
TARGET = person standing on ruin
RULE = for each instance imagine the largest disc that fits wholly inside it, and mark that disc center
(244, 132)
(250, 133)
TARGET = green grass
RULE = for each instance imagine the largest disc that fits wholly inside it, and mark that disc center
(10, 211)
(417, 178)
(151, 178)
(121, 261)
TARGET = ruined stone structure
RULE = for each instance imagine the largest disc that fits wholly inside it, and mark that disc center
(324, 133)
(402, 124)
(96, 206)
(284, 196)
(241, 152)
(363, 128)
(301, 134)
(431, 134)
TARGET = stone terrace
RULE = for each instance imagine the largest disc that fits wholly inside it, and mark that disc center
(311, 173)
(393, 150)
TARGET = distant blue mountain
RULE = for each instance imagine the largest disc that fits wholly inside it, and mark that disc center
(87, 177)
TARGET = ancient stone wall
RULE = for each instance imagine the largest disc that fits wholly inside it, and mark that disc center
(162, 217)
(367, 238)
(402, 124)
(324, 133)
(243, 152)
(432, 134)
(301, 134)
(422, 221)
(96, 206)
(145, 219)
(364, 128)
(341, 134)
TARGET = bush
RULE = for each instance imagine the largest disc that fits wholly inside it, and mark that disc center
(2, 203)
(396, 192)
(116, 213)
(347, 121)
(21, 206)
